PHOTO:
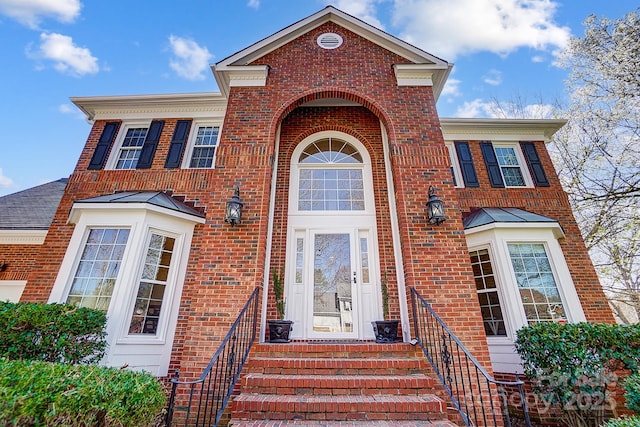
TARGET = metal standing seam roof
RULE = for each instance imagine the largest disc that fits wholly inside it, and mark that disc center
(33, 208)
(484, 216)
(156, 198)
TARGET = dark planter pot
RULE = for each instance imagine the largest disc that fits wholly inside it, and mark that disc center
(386, 331)
(279, 330)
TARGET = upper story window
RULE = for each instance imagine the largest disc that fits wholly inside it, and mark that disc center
(202, 146)
(130, 147)
(510, 166)
(330, 177)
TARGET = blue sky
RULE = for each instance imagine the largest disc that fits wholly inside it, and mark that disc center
(57, 49)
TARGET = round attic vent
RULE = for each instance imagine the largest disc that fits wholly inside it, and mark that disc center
(329, 40)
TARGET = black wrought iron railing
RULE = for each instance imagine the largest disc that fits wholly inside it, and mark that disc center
(204, 401)
(480, 399)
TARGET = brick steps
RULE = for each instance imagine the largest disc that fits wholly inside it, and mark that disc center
(285, 423)
(337, 408)
(336, 366)
(337, 384)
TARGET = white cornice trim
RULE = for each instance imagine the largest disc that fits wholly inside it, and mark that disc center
(78, 208)
(414, 74)
(555, 227)
(22, 237)
(197, 105)
(228, 76)
(500, 129)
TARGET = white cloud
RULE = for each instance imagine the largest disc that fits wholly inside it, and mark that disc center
(475, 108)
(504, 110)
(362, 9)
(191, 60)
(457, 27)
(537, 58)
(31, 12)
(493, 78)
(255, 4)
(5, 181)
(451, 87)
(67, 57)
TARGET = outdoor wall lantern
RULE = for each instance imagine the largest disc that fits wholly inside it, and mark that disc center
(233, 212)
(435, 208)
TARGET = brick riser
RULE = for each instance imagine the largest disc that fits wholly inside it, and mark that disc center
(337, 384)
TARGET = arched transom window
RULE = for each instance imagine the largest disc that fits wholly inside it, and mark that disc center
(331, 177)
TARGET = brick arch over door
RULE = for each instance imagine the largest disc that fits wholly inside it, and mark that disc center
(363, 124)
(319, 94)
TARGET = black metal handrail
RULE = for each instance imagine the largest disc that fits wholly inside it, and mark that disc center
(209, 395)
(478, 397)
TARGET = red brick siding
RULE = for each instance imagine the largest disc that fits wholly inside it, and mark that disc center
(553, 202)
(20, 260)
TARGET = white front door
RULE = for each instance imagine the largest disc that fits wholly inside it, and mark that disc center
(333, 287)
(331, 277)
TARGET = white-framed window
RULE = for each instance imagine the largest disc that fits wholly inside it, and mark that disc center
(525, 267)
(330, 177)
(203, 143)
(456, 173)
(95, 275)
(488, 293)
(512, 165)
(149, 300)
(130, 261)
(128, 146)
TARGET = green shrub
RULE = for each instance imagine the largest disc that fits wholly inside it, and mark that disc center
(36, 393)
(624, 422)
(574, 365)
(51, 332)
(632, 392)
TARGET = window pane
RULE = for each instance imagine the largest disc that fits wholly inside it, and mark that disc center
(98, 268)
(131, 147)
(146, 313)
(204, 147)
(537, 285)
(488, 296)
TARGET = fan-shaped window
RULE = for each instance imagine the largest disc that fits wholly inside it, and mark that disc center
(331, 177)
(330, 150)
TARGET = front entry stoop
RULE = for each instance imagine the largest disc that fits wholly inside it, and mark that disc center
(334, 384)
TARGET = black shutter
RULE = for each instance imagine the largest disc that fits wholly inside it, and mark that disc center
(150, 144)
(104, 144)
(178, 142)
(493, 168)
(466, 164)
(535, 165)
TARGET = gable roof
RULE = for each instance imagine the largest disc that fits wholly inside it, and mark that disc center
(241, 60)
(33, 208)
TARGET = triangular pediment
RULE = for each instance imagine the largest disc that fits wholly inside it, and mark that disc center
(418, 62)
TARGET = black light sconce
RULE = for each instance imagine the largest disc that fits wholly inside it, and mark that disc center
(3, 266)
(435, 208)
(233, 212)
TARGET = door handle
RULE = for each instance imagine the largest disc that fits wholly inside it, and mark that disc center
(354, 278)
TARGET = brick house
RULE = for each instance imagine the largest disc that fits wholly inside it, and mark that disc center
(329, 131)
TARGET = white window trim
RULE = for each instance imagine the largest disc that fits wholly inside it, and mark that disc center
(114, 155)
(455, 164)
(149, 352)
(496, 237)
(522, 164)
(193, 134)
